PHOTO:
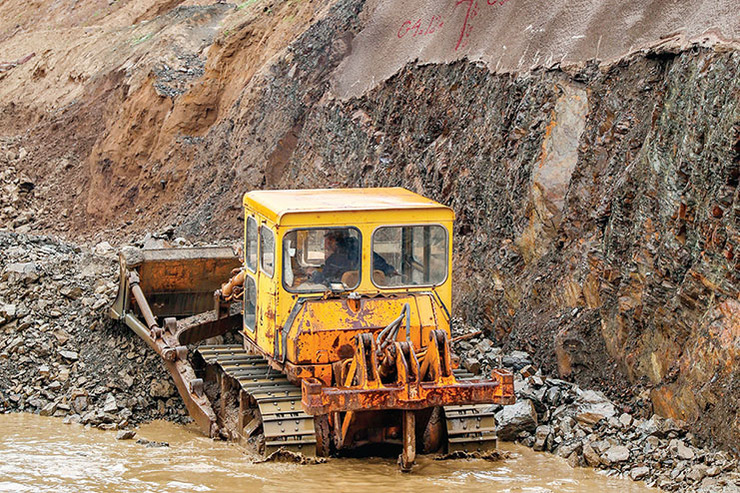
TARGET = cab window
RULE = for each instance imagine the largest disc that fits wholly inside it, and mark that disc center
(318, 259)
(267, 250)
(409, 256)
(250, 302)
(250, 248)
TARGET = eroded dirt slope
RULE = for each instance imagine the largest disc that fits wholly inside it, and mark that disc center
(597, 204)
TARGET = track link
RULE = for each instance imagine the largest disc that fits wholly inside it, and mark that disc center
(284, 423)
(470, 428)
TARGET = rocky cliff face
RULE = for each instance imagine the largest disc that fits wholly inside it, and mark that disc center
(597, 210)
(597, 205)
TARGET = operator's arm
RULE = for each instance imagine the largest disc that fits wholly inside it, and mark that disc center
(379, 263)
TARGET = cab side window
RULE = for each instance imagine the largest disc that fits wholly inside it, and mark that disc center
(250, 302)
(267, 250)
(250, 253)
(409, 256)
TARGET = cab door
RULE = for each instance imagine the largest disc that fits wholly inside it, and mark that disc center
(251, 256)
(267, 290)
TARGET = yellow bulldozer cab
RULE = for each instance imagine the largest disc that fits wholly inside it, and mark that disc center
(322, 265)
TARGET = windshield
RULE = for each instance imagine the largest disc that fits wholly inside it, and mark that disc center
(317, 258)
(409, 256)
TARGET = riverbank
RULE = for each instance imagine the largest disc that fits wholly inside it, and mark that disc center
(589, 430)
(61, 356)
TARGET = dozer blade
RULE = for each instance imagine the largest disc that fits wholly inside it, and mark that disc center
(177, 286)
(177, 282)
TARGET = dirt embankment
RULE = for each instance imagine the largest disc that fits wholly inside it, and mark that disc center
(597, 204)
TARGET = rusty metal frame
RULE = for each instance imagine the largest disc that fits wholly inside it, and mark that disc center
(417, 386)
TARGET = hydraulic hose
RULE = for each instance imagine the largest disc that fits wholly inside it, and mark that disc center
(390, 332)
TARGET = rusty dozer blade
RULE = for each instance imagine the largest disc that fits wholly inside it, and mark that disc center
(177, 286)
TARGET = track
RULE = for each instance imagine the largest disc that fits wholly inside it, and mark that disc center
(470, 428)
(285, 424)
(283, 421)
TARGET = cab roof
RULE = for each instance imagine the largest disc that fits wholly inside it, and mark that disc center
(274, 204)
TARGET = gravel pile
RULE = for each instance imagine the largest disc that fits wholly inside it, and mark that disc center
(60, 354)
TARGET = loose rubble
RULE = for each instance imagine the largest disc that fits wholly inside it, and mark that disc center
(17, 211)
(588, 430)
(60, 354)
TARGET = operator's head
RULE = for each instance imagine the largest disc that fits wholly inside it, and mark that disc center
(335, 240)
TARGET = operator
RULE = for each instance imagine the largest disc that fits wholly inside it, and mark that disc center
(343, 255)
(339, 258)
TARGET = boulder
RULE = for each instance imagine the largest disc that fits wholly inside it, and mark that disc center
(69, 355)
(125, 434)
(697, 473)
(484, 346)
(540, 437)
(537, 381)
(528, 371)
(161, 388)
(616, 454)
(514, 419)
(110, 405)
(639, 473)
(516, 360)
(103, 248)
(681, 450)
(625, 420)
(48, 409)
(591, 456)
(25, 272)
(574, 460)
(569, 448)
(181, 242)
(71, 292)
(662, 427)
(592, 407)
(472, 365)
(79, 402)
(649, 427)
(154, 244)
(8, 312)
(672, 428)
(552, 396)
(494, 354)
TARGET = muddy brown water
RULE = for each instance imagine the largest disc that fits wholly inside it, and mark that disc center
(43, 454)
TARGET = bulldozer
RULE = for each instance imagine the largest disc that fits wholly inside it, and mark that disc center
(338, 308)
